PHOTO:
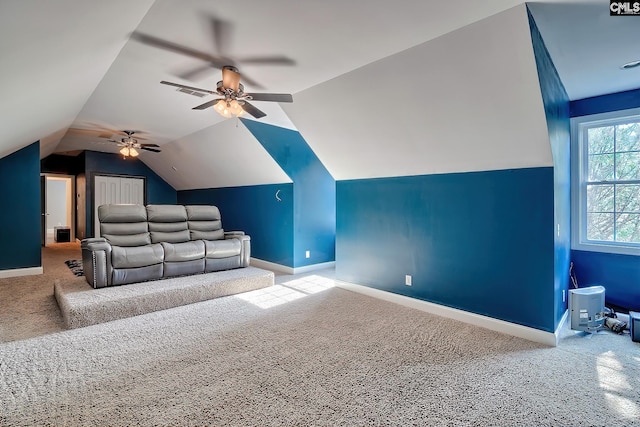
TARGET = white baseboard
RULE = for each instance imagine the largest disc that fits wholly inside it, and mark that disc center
(563, 320)
(531, 334)
(255, 262)
(314, 267)
(16, 272)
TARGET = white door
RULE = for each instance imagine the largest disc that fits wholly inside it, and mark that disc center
(132, 191)
(113, 189)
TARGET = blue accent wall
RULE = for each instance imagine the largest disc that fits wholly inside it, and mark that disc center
(556, 108)
(158, 191)
(479, 241)
(619, 274)
(314, 192)
(606, 103)
(256, 211)
(20, 227)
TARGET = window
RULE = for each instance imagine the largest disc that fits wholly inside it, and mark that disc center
(606, 182)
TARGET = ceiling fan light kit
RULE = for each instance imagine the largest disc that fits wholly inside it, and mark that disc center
(229, 109)
(234, 101)
(130, 145)
(129, 152)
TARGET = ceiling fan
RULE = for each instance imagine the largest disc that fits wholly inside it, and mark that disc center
(221, 37)
(131, 145)
(234, 101)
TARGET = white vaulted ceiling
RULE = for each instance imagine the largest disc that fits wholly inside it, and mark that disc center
(73, 64)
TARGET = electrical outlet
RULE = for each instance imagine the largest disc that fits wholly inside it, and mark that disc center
(407, 280)
(307, 254)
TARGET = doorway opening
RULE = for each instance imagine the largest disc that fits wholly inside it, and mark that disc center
(58, 208)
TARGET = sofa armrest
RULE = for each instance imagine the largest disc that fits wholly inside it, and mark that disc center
(231, 234)
(89, 240)
(245, 248)
(96, 261)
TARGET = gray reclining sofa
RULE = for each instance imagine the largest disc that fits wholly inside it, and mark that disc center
(141, 243)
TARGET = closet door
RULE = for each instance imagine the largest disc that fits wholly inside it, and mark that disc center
(132, 191)
(114, 189)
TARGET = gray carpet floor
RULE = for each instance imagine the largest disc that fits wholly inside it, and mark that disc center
(302, 353)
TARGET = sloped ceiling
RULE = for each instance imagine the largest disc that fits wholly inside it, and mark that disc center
(588, 46)
(467, 101)
(54, 54)
(73, 64)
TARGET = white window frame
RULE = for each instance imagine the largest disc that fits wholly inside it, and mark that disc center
(579, 126)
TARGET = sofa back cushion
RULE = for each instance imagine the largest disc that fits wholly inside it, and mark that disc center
(167, 223)
(204, 222)
(124, 225)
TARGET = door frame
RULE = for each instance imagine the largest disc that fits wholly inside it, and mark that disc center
(72, 206)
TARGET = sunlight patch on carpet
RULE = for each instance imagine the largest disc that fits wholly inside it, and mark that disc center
(271, 296)
(287, 291)
(311, 284)
(618, 392)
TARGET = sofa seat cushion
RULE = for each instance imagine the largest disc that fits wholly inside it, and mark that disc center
(216, 249)
(136, 256)
(180, 252)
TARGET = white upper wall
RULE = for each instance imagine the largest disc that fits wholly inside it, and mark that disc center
(467, 101)
(222, 155)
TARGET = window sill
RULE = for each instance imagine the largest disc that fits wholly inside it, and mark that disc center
(611, 249)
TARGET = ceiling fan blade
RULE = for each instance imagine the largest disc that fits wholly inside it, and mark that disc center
(107, 132)
(206, 105)
(151, 149)
(273, 97)
(174, 47)
(195, 73)
(247, 80)
(275, 60)
(252, 110)
(197, 89)
(149, 145)
(89, 133)
(221, 34)
(130, 134)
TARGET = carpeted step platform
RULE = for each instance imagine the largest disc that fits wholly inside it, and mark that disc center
(81, 305)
